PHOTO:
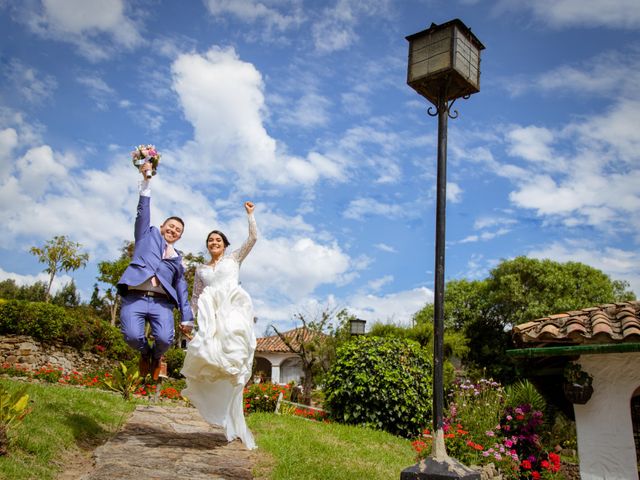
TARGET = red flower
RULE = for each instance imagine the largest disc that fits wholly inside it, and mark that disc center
(526, 464)
(535, 475)
(554, 458)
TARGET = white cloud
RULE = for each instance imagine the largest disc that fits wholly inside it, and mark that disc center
(336, 29)
(531, 143)
(385, 248)
(377, 283)
(360, 208)
(251, 11)
(311, 110)
(454, 192)
(590, 13)
(492, 221)
(8, 142)
(294, 266)
(222, 97)
(606, 72)
(599, 185)
(98, 89)
(28, 82)
(485, 236)
(397, 308)
(93, 26)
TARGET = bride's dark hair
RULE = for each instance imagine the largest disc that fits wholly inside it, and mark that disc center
(222, 235)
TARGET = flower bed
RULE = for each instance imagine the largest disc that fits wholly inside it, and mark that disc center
(480, 429)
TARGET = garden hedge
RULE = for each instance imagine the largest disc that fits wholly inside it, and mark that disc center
(381, 382)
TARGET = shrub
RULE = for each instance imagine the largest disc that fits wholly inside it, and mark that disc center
(42, 321)
(383, 383)
(175, 359)
(76, 327)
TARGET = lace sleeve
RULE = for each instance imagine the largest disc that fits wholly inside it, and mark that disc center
(241, 253)
(198, 286)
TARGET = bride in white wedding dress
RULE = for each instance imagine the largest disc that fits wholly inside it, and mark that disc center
(220, 355)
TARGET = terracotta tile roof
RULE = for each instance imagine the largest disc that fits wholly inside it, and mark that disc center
(275, 344)
(610, 323)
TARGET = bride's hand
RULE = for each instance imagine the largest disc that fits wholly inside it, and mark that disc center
(249, 206)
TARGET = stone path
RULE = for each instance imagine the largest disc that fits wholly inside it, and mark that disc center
(170, 443)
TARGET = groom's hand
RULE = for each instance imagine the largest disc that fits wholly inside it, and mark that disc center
(146, 166)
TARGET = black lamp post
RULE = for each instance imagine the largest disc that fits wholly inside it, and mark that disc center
(444, 64)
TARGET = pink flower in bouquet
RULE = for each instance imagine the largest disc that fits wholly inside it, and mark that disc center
(146, 153)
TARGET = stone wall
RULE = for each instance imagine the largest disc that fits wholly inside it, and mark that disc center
(23, 351)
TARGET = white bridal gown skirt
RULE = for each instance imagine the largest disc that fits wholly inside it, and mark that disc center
(219, 359)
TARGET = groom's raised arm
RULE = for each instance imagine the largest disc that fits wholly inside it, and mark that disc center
(143, 216)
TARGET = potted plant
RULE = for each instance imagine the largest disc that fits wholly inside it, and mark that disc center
(577, 385)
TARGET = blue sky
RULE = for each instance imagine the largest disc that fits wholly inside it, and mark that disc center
(302, 106)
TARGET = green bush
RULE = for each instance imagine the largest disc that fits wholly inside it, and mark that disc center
(383, 383)
(76, 327)
(42, 321)
(174, 358)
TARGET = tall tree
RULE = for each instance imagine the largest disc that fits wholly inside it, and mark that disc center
(517, 291)
(60, 255)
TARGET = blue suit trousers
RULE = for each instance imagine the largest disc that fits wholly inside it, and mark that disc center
(136, 311)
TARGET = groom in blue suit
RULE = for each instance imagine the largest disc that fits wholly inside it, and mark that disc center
(153, 285)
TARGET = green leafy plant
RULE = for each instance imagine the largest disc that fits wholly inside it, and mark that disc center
(382, 383)
(124, 381)
(524, 392)
(13, 408)
(175, 359)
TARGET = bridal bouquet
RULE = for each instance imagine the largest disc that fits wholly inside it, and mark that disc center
(143, 154)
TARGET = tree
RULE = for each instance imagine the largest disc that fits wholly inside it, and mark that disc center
(35, 292)
(110, 273)
(518, 291)
(67, 296)
(315, 343)
(60, 255)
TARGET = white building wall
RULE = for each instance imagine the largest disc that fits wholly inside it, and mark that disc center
(605, 432)
(277, 359)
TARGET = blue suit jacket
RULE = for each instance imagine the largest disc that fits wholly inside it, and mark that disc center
(147, 261)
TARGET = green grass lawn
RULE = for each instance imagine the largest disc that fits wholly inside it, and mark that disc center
(66, 420)
(62, 421)
(292, 448)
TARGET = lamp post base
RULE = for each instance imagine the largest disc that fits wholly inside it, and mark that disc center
(432, 469)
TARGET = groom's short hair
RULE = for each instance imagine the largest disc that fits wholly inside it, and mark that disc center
(177, 219)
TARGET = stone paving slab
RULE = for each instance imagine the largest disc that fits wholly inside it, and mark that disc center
(159, 443)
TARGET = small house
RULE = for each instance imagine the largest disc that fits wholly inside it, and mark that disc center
(588, 362)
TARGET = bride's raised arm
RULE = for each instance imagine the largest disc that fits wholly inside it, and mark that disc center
(241, 253)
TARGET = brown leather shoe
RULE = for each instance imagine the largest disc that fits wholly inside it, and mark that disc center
(156, 367)
(143, 365)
